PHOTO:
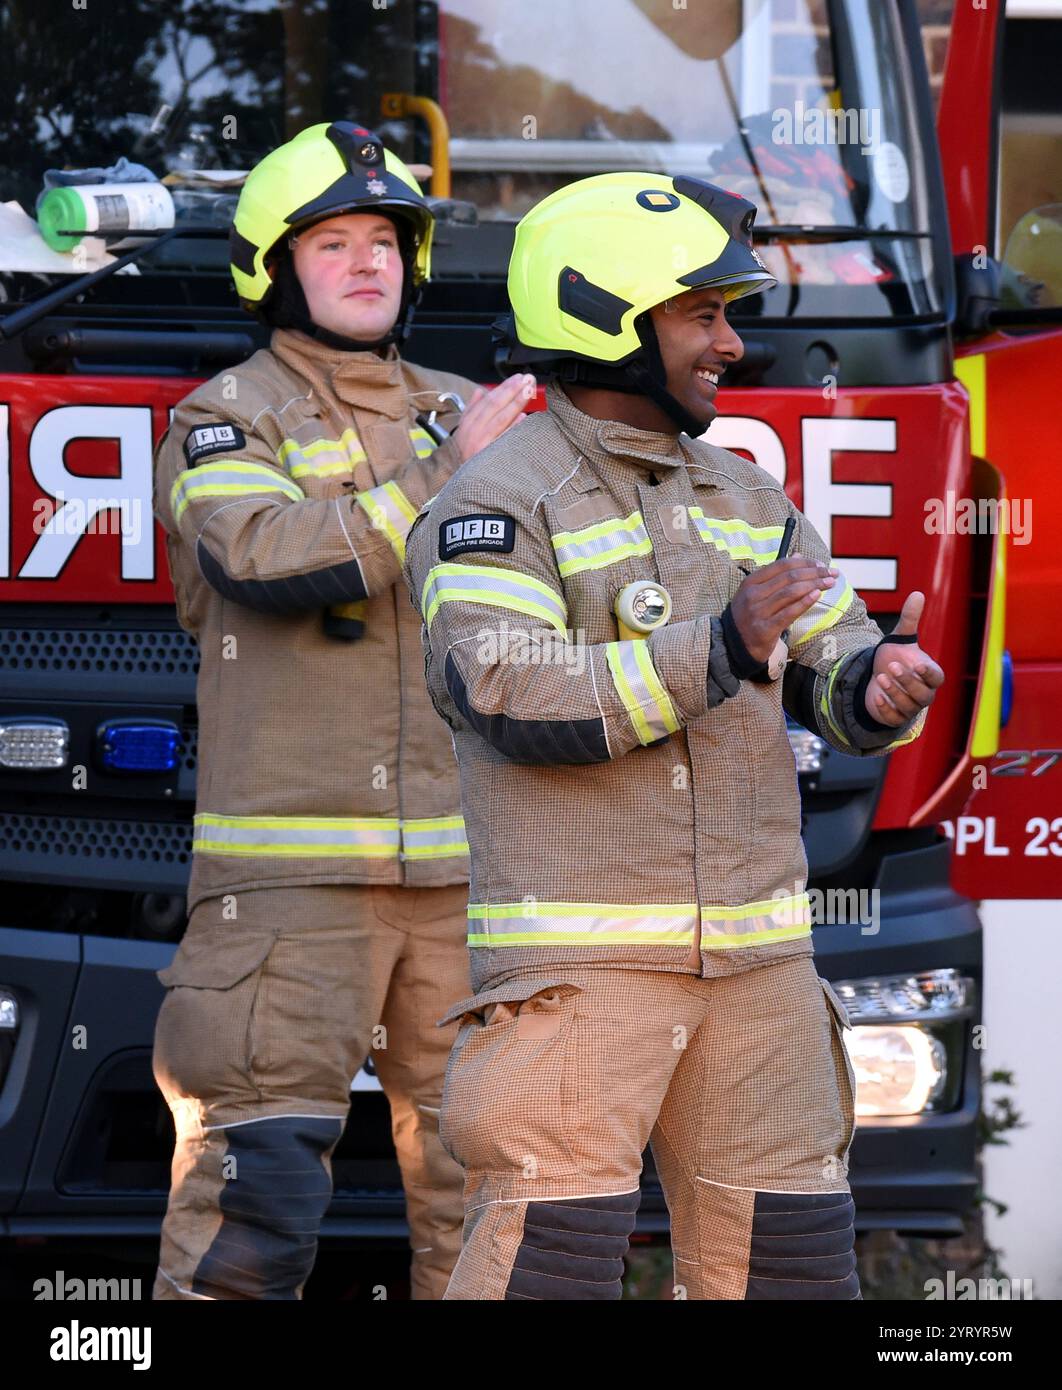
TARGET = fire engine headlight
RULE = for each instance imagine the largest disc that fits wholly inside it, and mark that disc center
(8, 1012)
(899, 1071)
(907, 1040)
(149, 746)
(8, 1031)
(807, 747)
(34, 745)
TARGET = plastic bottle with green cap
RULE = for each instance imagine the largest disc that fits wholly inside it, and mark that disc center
(114, 211)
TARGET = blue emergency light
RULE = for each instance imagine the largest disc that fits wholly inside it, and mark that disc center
(138, 745)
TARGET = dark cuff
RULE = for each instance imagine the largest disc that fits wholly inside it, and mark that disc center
(722, 682)
(859, 700)
(742, 663)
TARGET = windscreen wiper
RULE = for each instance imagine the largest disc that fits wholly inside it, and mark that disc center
(799, 231)
(13, 324)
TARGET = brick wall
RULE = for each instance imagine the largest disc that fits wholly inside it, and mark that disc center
(801, 54)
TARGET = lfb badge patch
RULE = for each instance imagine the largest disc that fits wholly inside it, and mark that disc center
(465, 533)
(207, 440)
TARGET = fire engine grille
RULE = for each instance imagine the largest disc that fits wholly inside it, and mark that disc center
(67, 837)
(99, 650)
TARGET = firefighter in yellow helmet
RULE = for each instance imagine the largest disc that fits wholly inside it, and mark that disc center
(615, 644)
(329, 876)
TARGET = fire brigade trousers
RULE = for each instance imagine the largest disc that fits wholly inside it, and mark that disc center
(274, 1000)
(741, 1083)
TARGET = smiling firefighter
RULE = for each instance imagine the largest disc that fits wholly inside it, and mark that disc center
(638, 925)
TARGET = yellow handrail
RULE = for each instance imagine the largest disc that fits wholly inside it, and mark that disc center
(397, 105)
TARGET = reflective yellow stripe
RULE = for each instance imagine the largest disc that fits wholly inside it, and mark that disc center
(603, 543)
(826, 703)
(770, 920)
(644, 697)
(912, 733)
(496, 587)
(826, 707)
(228, 478)
(324, 457)
(356, 837)
(583, 924)
(433, 837)
(391, 512)
(972, 372)
(829, 608)
(298, 836)
(534, 923)
(422, 442)
(736, 537)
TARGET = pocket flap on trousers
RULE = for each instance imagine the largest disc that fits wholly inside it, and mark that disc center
(217, 959)
(512, 991)
(840, 1012)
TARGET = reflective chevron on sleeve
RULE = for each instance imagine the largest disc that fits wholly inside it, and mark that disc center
(829, 608)
(391, 512)
(641, 690)
(229, 479)
(495, 587)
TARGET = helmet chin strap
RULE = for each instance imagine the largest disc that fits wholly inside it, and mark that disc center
(647, 373)
(643, 375)
(287, 308)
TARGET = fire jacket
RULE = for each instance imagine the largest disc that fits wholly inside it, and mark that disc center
(628, 802)
(286, 486)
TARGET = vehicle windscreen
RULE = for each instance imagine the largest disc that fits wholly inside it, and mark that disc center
(803, 106)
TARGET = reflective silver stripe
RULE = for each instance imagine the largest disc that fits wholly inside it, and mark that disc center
(495, 586)
(603, 543)
(229, 478)
(829, 608)
(433, 837)
(422, 442)
(756, 924)
(532, 923)
(640, 689)
(322, 456)
(296, 836)
(738, 538)
(390, 512)
(535, 923)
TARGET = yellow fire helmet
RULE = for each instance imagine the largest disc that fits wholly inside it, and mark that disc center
(326, 170)
(592, 259)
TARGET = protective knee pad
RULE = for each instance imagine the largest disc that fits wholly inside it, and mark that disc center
(803, 1246)
(271, 1209)
(574, 1248)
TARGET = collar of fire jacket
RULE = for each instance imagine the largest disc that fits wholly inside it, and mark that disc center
(361, 379)
(611, 439)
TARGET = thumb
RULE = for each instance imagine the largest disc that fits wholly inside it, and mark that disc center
(910, 614)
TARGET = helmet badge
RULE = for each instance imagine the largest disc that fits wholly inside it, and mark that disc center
(376, 186)
(657, 200)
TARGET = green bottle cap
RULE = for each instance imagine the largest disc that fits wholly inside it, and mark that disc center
(61, 208)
